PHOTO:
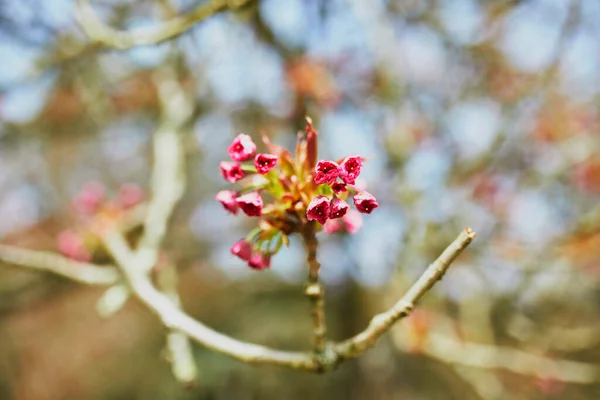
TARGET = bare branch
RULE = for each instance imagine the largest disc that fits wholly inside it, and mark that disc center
(485, 356)
(86, 273)
(381, 323)
(107, 36)
(174, 318)
(314, 289)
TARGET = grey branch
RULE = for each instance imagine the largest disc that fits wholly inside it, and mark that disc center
(86, 273)
(99, 32)
(381, 323)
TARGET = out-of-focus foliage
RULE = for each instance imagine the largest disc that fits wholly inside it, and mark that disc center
(479, 113)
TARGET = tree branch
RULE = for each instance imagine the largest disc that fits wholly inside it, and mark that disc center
(99, 32)
(314, 289)
(86, 273)
(173, 318)
(381, 323)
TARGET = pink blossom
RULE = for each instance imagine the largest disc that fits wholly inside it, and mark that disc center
(338, 187)
(259, 261)
(242, 148)
(72, 246)
(337, 208)
(130, 195)
(231, 171)
(242, 249)
(350, 169)
(332, 226)
(365, 202)
(326, 172)
(227, 199)
(265, 162)
(251, 204)
(318, 209)
(89, 198)
(353, 221)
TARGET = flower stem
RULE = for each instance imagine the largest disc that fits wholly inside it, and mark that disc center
(314, 289)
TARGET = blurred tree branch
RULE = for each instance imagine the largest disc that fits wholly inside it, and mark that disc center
(110, 37)
(82, 272)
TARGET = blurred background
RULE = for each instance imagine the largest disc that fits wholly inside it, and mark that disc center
(472, 113)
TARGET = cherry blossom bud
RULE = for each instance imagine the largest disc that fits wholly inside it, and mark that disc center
(242, 148)
(338, 187)
(227, 199)
(350, 169)
(337, 208)
(260, 261)
(251, 204)
(265, 162)
(89, 198)
(231, 171)
(353, 220)
(71, 245)
(242, 249)
(332, 226)
(130, 195)
(326, 172)
(318, 209)
(365, 202)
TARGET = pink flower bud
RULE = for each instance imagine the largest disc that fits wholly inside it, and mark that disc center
(231, 171)
(353, 221)
(365, 202)
(72, 246)
(242, 148)
(338, 187)
(260, 261)
(350, 169)
(130, 195)
(326, 172)
(265, 162)
(89, 198)
(251, 204)
(332, 226)
(318, 209)
(242, 249)
(337, 208)
(227, 199)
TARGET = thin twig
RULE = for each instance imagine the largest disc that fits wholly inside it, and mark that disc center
(314, 289)
(381, 323)
(110, 37)
(82, 272)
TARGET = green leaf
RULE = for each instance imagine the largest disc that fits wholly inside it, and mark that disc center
(325, 190)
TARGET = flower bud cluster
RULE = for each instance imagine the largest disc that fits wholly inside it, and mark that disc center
(288, 192)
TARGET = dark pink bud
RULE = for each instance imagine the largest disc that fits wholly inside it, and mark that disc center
(251, 204)
(353, 221)
(259, 261)
(227, 199)
(365, 202)
(231, 171)
(72, 246)
(89, 198)
(265, 162)
(242, 148)
(130, 195)
(332, 226)
(337, 208)
(242, 249)
(350, 169)
(318, 209)
(326, 172)
(338, 187)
